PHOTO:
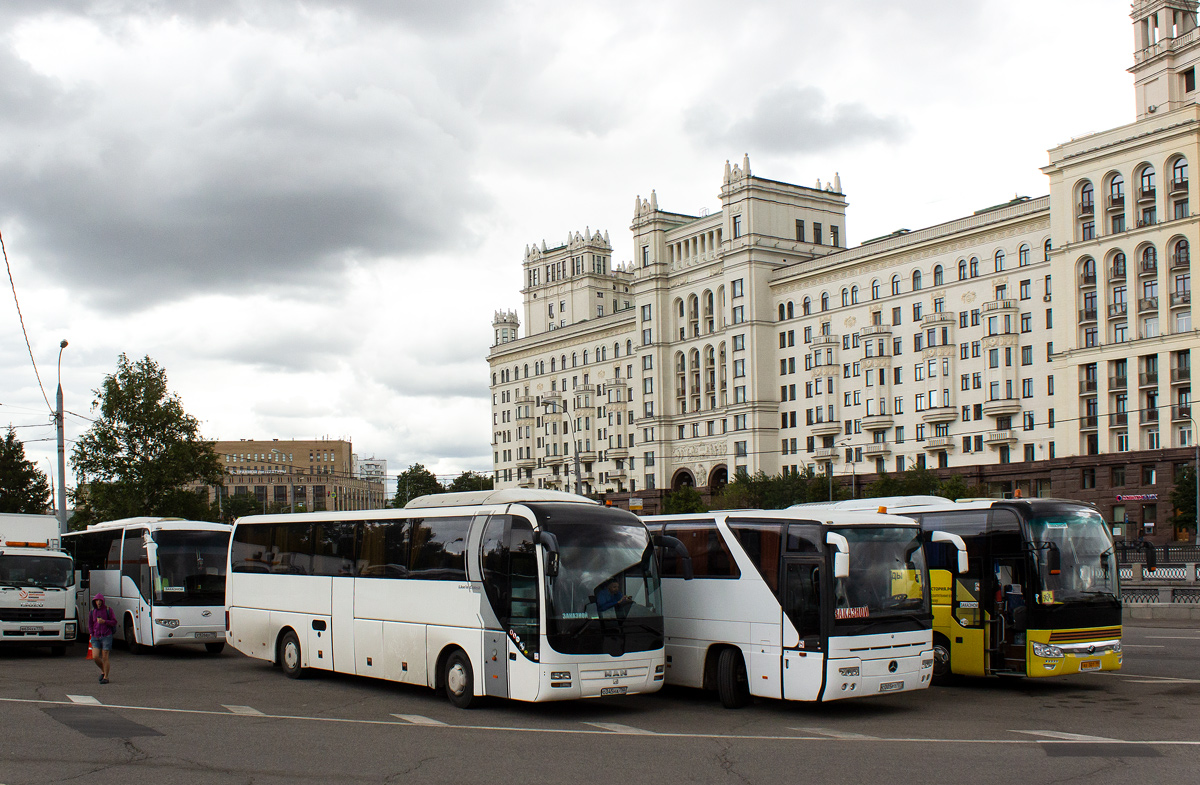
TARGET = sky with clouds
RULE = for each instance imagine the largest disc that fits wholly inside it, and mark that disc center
(307, 212)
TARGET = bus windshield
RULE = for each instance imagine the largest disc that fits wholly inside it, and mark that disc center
(191, 567)
(29, 570)
(607, 596)
(887, 577)
(1086, 560)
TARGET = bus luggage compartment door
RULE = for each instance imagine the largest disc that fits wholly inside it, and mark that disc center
(495, 663)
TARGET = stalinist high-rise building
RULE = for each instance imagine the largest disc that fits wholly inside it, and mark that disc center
(1041, 344)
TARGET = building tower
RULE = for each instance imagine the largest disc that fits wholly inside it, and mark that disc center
(1165, 55)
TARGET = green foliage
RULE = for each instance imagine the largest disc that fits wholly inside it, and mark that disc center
(686, 499)
(415, 481)
(470, 481)
(920, 481)
(1183, 498)
(23, 487)
(141, 451)
(236, 505)
(775, 493)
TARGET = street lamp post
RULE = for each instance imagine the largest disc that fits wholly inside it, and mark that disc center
(62, 448)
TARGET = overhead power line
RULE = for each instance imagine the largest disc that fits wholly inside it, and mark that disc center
(21, 318)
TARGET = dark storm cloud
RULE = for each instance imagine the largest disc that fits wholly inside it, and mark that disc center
(793, 119)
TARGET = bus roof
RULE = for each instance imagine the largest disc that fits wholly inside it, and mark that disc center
(157, 523)
(827, 516)
(507, 496)
(911, 504)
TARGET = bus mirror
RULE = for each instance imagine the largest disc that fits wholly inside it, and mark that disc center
(681, 552)
(550, 543)
(841, 559)
(151, 550)
(963, 563)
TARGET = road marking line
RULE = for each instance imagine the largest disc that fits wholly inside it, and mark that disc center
(244, 711)
(1061, 736)
(84, 700)
(1144, 679)
(838, 734)
(617, 727)
(417, 719)
(1143, 646)
(1170, 638)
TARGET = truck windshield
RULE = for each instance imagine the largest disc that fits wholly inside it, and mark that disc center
(36, 570)
(191, 567)
(888, 580)
(1087, 565)
(607, 597)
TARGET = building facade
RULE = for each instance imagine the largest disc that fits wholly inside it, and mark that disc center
(1041, 345)
(311, 475)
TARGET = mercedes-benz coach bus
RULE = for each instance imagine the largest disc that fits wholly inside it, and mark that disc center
(798, 604)
(1041, 596)
(523, 594)
(164, 578)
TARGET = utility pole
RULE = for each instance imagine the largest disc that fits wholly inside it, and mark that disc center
(62, 449)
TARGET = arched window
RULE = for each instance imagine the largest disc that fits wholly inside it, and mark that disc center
(1116, 191)
(845, 297)
(526, 370)
(1179, 174)
(853, 295)
(807, 306)
(938, 275)
(1087, 198)
(1118, 268)
(974, 267)
(962, 269)
(616, 350)
(999, 261)
(875, 289)
(781, 312)
(493, 380)
(1089, 270)
(563, 362)
(574, 359)
(1023, 256)
(1183, 254)
(628, 348)
(1046, 249)
(585, 356)
(552, 367)
(1149, 259)
(824, 301)
(1146, 182)
(916, 280)
(791, 310)
(895, 284)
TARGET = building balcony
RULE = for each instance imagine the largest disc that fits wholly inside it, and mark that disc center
(1181, 411)
(1179, 185)
(877, 422)
(620, 471)
(554, 396)
(526, 481)
(587, 456)
(1181, 261)
(1181, 375)
(1117, 309)
(1147, 304)
(1089, 422)
(1003, 305)
(1001, 407)
(939, 443)
(875, 329)
(877, 450)
(526, 463)
(1120, 419)
(831, 428)
(1085, 208)
(1087, 315)
(1087, 279)
(826, 454)
(1087, 386)
(1148, 379)
(1148, 267)
(1116, 273)
(616, 384)
(617, 453)
(1115, 202)
(938, 317)
(1148, 416)
(824, 341)
(939, 414)
(554, 460)
(1181, 298)
(998, 438)
(1118, 382)
(524, 399)
(1146, 194)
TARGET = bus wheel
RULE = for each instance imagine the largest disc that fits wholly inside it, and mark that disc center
(290, 656)
(215, 648)
(458, 680)
(130, 640)
(732, 684)
(941, 660)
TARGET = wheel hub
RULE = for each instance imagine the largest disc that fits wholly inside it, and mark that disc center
(456, 678)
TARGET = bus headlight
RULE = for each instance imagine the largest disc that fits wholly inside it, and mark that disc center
(560, 675)
(69, 630)
(1044, 650)
(851, 671)
(927, 663)
(168, 623)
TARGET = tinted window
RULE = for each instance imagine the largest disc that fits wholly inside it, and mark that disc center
(273, 547)
(710, 555)
(134, 563)
(438, 546)
(333, 549)
(510, 578)
(762, 543)
(804, 538)
(384, 552)
(250, 550)
(91, 550)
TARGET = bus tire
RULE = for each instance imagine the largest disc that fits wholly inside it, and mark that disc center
(941, 660)
(130, 638)
(215, 648)
(733, 685)
(458, 680)
(291, 656)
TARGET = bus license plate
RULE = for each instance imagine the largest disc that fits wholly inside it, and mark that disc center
(613, 690)
(31, 628)
(889, 686)
(206, 635)
(1089, 665)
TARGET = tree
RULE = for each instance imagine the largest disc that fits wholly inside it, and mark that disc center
(415, 481)
(1183, 498)
(141, 451)
(919, 481)
(23, 487)
(758, 491)
(470, 481)
(686, 499)
(236, 505)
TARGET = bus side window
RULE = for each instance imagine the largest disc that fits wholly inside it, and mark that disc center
(710, 555)
(134, 564)
(762, 543)
(333, 549)
(439, 548)
(250, 547)
(384, 550)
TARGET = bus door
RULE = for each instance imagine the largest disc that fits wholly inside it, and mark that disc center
(135, 588)
(1007, 624)
(803, 657)
(967, 629)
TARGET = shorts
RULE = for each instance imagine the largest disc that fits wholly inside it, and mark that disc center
(102, 644)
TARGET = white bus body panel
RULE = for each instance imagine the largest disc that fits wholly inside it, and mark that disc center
(903, 661)
(20, 607)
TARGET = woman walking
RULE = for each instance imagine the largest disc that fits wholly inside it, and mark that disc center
(101, 624)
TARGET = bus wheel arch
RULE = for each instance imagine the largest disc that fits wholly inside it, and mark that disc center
(130, 633)
(289, 655)
(733, 678)
(941, 658)
(455, 676)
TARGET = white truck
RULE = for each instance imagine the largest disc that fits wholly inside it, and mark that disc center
(37, 584)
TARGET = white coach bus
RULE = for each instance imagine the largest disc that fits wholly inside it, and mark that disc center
(164, 578)
(796, 605)
(530, 595)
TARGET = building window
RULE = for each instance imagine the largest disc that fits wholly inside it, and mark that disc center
(739, 314)
(737, 226)
(800, 231)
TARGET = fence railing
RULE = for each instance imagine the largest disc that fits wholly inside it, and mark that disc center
(1129, 553)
